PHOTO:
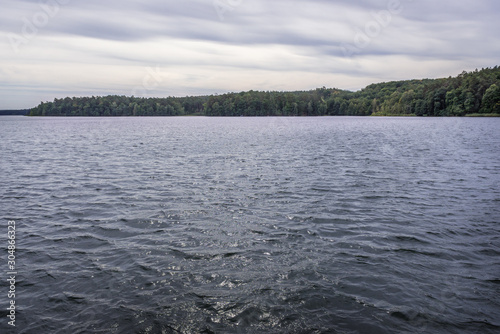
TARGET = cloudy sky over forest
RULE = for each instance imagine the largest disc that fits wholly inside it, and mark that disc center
(56, 48)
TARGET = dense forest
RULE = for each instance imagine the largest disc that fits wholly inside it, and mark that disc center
(121, 106)
(14, 112)
(470, 93)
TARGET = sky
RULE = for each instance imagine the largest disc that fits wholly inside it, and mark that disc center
(158, 48)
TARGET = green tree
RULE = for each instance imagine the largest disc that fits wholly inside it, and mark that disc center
(491, 100)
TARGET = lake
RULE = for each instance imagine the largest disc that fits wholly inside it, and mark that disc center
(252, 225)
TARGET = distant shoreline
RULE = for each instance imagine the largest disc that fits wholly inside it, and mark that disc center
(302, 116)
(473, 94)
(482, 115)
(18, 112)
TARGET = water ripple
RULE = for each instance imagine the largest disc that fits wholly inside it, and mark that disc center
(206, 225)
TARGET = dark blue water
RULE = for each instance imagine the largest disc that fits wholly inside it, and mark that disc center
(252, 225)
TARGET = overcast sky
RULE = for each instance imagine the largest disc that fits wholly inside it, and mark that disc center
(59, 48)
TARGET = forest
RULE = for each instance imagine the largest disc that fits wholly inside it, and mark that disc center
(17, 112)
(475, 93)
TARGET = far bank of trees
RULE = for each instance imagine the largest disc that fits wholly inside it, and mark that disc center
(120, 106)
(476, 92)
(17, 112)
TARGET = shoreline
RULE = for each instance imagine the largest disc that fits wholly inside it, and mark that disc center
(492, 115)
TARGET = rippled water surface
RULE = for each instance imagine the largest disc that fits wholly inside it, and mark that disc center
(253, 225)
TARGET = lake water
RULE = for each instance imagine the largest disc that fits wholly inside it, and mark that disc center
(252, 225)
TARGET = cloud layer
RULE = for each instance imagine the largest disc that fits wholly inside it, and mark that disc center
(57, 48)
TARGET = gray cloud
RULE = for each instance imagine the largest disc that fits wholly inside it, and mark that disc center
(202, 47)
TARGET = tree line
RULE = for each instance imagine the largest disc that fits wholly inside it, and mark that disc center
(114, 105)
(470, 93)
(17, 112)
